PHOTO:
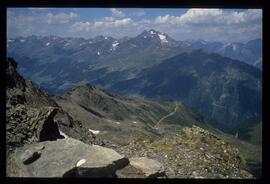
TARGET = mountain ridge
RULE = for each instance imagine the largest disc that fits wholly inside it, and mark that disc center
(200, 71)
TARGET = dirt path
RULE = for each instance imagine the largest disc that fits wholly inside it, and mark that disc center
(168, 115)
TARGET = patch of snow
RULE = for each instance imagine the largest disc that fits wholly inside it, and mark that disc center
(114, 44)
(118, 123)
(203, 42)
(106, 38)
(90, 42)
(144, 36)
(47, 44)
(234, 47)
(80, 162)
(82, 43)
(98, 53)
(63, 134)
(67, 44)
(163, 38)
(22, 40)
(134, 122)
(94, 131)
(152, 32)
(10, 41)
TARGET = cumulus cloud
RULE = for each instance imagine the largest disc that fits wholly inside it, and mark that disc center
(40, 24)
(60, 18)
(213, 16)
(213, 24)
(117, 13)
(106, 23)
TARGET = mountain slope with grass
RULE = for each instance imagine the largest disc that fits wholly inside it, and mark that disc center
(220, 88)
(129, 118)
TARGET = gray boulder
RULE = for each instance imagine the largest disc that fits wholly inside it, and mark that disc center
(64, 158)
(150, 168)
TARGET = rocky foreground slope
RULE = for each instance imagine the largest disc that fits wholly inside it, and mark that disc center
(192, 153)
(44, 141)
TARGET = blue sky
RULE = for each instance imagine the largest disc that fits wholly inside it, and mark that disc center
(225, 25)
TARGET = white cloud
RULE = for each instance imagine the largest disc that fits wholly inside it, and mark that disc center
(165, 19)
(211, 16)
(37, 23)
(117, 13)
(60, 18)
(212, 24)
(106, 23)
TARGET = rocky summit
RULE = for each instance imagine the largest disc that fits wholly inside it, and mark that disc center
(192, 153)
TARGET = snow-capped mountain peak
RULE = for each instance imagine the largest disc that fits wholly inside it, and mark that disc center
(163, 38)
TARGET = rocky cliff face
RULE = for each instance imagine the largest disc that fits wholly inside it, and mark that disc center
(32, 116)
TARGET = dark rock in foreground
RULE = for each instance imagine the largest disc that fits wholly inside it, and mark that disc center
(32, 116)
(27, 125)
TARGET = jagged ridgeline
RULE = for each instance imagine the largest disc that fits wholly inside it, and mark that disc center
(81, 134)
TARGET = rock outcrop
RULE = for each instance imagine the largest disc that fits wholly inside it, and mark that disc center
(32, 116)
(65, 158)
(28, 125)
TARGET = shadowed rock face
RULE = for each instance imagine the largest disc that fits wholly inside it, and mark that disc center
(29, 113)
(27, 125)
(65, 158)
(32, 116)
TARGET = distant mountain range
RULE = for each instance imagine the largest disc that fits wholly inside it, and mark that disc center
(250, 52)
(151, 65)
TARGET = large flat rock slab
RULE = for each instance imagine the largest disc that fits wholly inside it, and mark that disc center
(65, 158)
